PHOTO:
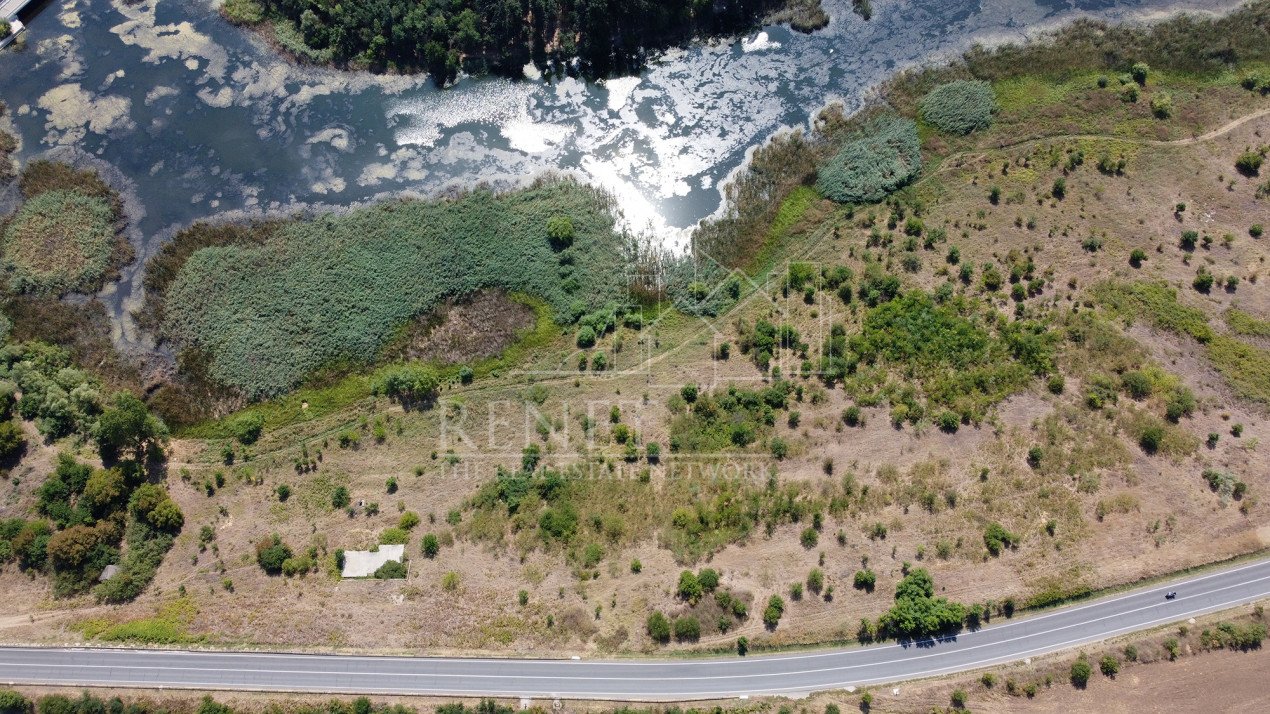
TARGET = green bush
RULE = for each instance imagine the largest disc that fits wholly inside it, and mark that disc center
(392, 570)
(243, 12)
(996, 538)
(879, 159)
(959, 107)
(430, 546)
(394, 536)
(773, 612)
(658, 627)
(337, 287)
(12, 702)
(271, 553)
(247, 427)
(61, 242)
(12, 442)
(864, 580)
(687, 629)
(1249, 163)
(1081, 672)
(408, 383)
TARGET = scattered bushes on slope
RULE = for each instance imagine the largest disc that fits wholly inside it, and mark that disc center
(880, 158)
(959, 107)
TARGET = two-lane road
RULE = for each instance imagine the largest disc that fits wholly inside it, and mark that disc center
(666, 679)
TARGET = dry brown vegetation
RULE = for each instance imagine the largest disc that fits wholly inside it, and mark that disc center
(1090, 506)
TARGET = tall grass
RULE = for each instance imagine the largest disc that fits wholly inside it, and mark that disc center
(335, 288)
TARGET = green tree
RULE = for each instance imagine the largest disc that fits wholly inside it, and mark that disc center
(560, 232)
(917, 612)
(271, 553)
(127, 427)
(12, 442)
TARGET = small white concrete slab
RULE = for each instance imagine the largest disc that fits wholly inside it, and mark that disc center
(364, 563)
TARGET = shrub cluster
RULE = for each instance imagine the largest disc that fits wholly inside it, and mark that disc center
(885, 155)
(959, 107)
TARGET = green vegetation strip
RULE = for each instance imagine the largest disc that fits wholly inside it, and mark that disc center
(338, 287)
(1246, 367)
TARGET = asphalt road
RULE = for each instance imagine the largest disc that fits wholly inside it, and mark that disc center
(792, 674)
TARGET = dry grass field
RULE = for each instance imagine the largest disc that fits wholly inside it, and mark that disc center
(1074, 199)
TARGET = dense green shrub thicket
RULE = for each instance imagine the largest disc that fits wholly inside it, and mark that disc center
(337, 287)
(59, 242)
(90, 518)
(497, 35)
(959, 107)
(883, 156)
(731, 419)
(963, 359)
(91, 512)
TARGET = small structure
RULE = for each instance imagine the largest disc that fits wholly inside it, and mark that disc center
(9, 11)
(364, 563)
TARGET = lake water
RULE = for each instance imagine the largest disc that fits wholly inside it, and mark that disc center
(191, 117)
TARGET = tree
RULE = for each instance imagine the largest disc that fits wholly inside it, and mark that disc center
(127, 426)
(560, 232)
(1136, 257)
(104, 491)
(917, 612)
(1109, 666)
(68, 549)
(271, 553)
(1080, 672)
(408, 383)
(150, 504)
(12, 442)
(340, 497)
(658, 627)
